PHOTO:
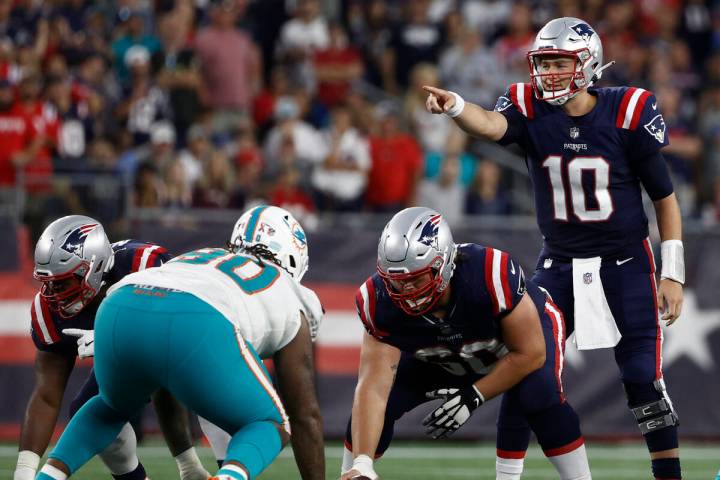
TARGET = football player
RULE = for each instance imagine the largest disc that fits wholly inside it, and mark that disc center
(589, 150)
(75, 263)
(457, 323)
(198, 326)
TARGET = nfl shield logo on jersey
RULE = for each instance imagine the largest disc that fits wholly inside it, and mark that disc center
(587, 278)
(574, 132)
(656, 128)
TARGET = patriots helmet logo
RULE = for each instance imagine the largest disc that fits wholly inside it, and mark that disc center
(656, 128)
(429, 233)
(75, 241)
(584, 30)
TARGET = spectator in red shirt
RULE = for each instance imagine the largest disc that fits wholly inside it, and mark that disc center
(289, 195)
(45, 125)
(396, 164)
(336, 68)
(18, 140)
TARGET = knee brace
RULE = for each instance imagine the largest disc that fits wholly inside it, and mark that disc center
(651, 406)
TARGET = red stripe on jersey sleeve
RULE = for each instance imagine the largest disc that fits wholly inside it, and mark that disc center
(371, 299)
(505, 281)
(489, 279)
(137, 257)
(49, 324)
(529, 100)
(639, 109)
(154, 256)
(513, 96)
(623, 107)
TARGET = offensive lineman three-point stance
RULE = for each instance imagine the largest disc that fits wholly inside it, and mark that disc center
(198, 326)
(458, 323)
(588, 151)
(76, 264)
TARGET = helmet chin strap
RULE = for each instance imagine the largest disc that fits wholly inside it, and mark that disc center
(598, 72)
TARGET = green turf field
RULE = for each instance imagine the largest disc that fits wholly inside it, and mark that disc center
(423, 461)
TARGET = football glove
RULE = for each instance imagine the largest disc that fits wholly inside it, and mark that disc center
(459, 404)
(85, 341)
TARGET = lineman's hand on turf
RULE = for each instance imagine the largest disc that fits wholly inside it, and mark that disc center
(459, 404)
(362, 469)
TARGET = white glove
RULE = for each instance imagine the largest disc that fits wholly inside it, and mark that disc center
(85, 342)
(27, 465)
(459, 404)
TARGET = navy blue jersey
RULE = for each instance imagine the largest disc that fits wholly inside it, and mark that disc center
(587, 171)
(487, 284)
(130, 256)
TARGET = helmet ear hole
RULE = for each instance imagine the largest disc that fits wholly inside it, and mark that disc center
(292, 261)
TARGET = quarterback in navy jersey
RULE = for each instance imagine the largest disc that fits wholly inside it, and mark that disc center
(76, 264)
(457, 323)
(589, 151)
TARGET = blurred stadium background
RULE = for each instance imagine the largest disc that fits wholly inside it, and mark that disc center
(164, 119)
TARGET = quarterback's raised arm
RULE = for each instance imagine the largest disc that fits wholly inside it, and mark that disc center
(472, 118)
(524, 339)
(378, 366)
(296, 383)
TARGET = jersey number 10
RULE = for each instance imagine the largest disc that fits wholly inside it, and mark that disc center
(600, 169)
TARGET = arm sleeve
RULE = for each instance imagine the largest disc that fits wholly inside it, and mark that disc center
(515, 132)
(653, 173)
(504, 281)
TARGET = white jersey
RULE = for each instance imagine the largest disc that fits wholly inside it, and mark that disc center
(262, 301)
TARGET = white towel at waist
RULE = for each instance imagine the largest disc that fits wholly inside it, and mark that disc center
(594, 322)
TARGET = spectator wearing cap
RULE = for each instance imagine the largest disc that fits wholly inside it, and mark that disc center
(292, 139)
(158, 153)
(133, 27)
(230, 65)
(396, 163)
(337, 67)
(144, 103)
(341, 178)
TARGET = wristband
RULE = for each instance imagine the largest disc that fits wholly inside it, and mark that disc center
(456, 109)
(673, 261)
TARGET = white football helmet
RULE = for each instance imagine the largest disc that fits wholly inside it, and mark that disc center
(276, 229)
(566, 37)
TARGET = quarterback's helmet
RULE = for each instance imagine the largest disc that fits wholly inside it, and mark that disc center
(276, 229)
(566, 37)
(416, 258)
(71, 257)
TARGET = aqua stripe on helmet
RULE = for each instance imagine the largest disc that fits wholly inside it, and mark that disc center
(252, 224)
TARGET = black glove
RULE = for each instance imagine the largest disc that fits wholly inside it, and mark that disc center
(459, 404)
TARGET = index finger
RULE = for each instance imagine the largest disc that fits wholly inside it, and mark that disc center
(434, 90)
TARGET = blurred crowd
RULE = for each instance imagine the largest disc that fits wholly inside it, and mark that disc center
(314, 105)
